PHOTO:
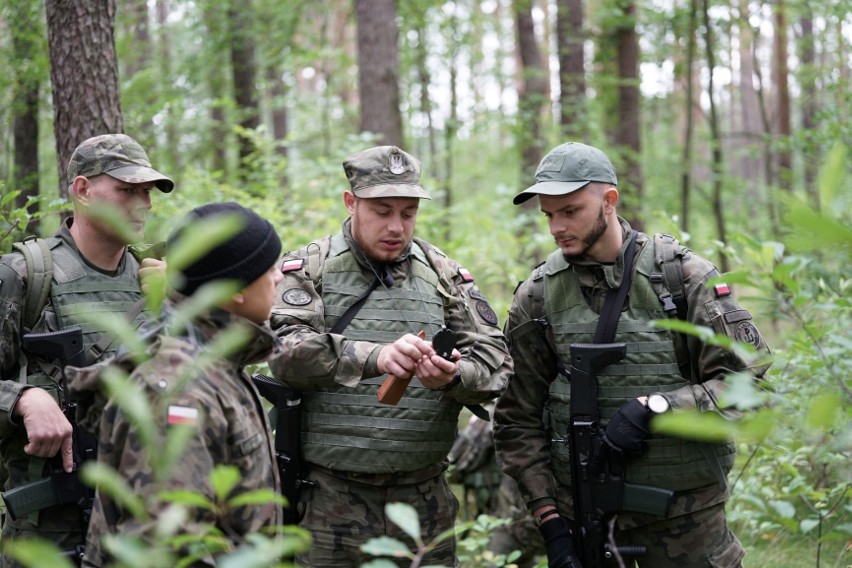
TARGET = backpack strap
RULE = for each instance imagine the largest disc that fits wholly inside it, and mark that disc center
(39, 275)
(668, 256)
(317, 252)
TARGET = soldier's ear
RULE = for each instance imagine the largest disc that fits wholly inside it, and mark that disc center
(79, 190)
(349, 201)
(610, 198)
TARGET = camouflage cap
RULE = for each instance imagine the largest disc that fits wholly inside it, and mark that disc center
(119, 156)
(384, 171)
(567, 168)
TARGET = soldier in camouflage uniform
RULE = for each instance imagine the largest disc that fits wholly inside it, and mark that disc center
(362, 454)
(559, 305)
(93, 271)
(190, 386)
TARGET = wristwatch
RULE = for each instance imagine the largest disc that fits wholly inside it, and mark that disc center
(658, 404)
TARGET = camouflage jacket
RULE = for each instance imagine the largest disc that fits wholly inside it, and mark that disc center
(521, 439)
(212, 394)
(313, 356)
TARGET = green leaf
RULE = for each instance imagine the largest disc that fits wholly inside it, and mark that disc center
(831, 176)
(380, 563)
(807, 525)
(741, 392)
(405, 517)
(199, 238)
(133, 402)
(186, 497)
(258, 497)
(111, 483)
(824, 410)
(223, 480)
(36, 553)
(386, 546)
(694, 425)
(784, 509)
(171, 520)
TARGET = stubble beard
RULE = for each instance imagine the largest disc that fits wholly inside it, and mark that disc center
(593, 236)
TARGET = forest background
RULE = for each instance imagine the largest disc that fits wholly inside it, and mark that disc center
(724, 118)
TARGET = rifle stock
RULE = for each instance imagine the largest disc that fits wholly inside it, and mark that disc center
(60, 487)
(600, 491)
(288, 445)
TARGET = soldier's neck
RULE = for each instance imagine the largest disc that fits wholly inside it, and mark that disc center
(97, 247)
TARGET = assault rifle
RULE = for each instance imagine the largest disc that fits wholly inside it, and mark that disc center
(599, 486)
(59, 487)
(288, 443)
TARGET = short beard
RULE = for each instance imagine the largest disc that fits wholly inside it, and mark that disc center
(591, 237)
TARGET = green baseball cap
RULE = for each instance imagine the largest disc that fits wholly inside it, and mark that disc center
(119, 156)
(384, 171)
(567, 168)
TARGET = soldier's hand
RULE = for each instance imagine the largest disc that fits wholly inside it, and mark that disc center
(558, 544)
(48, 431)
(436, 372)
(400, 357)
(627, 430)
(152, 274)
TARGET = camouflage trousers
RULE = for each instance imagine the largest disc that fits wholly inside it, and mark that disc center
(521, 534)
(700, 539)
(60, 525)
(342, 514)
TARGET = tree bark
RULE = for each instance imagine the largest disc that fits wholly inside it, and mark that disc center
(686, 158)
(84, 74)
(572, 79)
(627, 131)
(807, 78)
(378, 70)
(244, 75)
(715, 141)
(24, 27)
(214, 15)
(170, 158)
(532, 93)
(780, 77)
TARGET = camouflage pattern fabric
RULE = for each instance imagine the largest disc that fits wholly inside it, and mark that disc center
(62, 524)
(119, 156)
(521, 534)
(342, 514)
(521, 440)
(212, 395)
(384, 171)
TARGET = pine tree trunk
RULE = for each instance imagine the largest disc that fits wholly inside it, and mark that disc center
(83, 73)
(572, 78)
(532, 93)
(378, 70)
(780, 79)
(807, 78)
(627, 130)
(244, 77)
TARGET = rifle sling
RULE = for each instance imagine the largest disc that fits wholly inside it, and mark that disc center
(615, 299)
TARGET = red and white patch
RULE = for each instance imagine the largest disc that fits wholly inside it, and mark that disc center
(465, 274)
(184, 415)
(722, 290)
(293, 264)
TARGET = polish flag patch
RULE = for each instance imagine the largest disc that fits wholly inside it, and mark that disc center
(183, 415)
(293, 264)
(465, 274)
(722, 290)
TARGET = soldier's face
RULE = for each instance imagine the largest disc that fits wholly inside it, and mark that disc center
(131, 201)
(255, 301)
(577, 221)
(382, 226)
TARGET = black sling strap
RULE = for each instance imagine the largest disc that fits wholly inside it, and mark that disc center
(614, 302)
(352, 310)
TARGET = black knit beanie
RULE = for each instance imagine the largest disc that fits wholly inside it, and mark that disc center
(244, 257)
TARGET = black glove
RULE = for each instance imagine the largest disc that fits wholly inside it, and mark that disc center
(557, 542)
(627, 430)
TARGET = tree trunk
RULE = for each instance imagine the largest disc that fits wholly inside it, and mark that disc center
(244, 72)
(25, 26)
(627, 131)
(780, 78)
(378, 70)
(532, 93)
(572, 78)
(749, 160)
(217, 83)
(170, 158)
(807, 78)
(84, 74)
(715, 142)
(686, 158)
(137, 59)
(138, 56)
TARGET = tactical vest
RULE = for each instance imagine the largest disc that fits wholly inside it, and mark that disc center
(346, 428)
(650, 366)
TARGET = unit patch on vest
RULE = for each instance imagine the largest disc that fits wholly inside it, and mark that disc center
(745, 332)
(296, 297)
(475, 294)
(292, 264)
(485, 312)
